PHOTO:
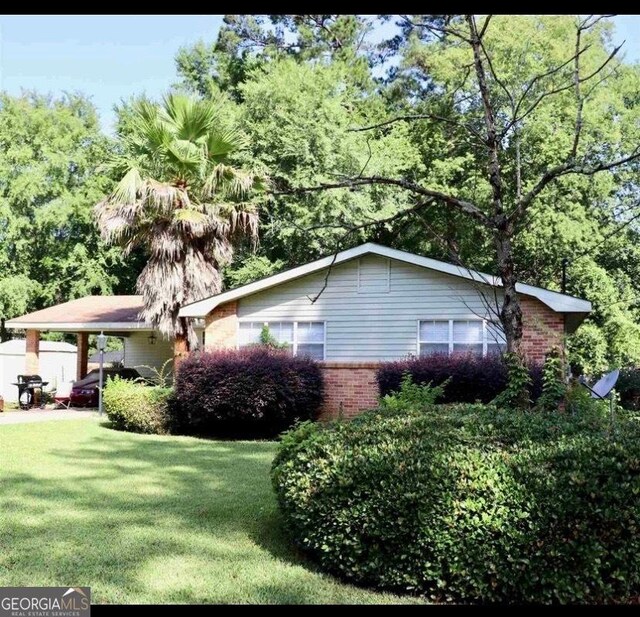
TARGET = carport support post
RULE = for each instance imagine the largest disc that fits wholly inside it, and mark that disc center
(32, 353)
(83, 354)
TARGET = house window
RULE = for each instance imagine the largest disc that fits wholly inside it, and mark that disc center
(476, 336)
(303, 338)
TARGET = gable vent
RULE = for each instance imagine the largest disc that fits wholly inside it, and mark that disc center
(373, 275)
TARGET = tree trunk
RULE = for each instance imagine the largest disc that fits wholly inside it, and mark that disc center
(180, 346)
(511, 312)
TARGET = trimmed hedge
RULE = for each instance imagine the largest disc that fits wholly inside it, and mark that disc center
(135, 407)
(251, 392)
(468, 503)
(473, 379)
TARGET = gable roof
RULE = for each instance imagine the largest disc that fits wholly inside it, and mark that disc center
(558, 302)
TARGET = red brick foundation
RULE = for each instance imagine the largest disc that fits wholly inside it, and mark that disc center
(350, 387)
(542, 329)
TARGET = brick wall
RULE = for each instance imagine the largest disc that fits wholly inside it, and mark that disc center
(349, 388)
(221, 327)
(32, 353)
(542, 328)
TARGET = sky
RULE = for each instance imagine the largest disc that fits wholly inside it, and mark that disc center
(112, 57)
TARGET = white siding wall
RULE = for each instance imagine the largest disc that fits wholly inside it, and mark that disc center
(138, 352)
(55, 367)
(364, 320)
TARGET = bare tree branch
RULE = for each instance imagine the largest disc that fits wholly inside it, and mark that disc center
(497, 79)
(560, 89)
(566, 168)
(460, 204)
(492, 141)
(406, 117)
(579, 99)
(437, 29)
(485, 26)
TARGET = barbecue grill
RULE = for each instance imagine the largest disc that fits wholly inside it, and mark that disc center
(27, 387)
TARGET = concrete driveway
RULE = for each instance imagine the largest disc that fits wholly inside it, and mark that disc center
(43, 415)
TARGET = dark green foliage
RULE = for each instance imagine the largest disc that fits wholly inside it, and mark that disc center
(132, 406)
(412, 395)
(516, 393)
(578, 399)
(554, 387)
(469, 378)
(469, 503)
(251, 392)
(628, 387)
(51, 154)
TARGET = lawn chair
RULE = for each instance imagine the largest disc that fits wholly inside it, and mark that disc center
(62, 396)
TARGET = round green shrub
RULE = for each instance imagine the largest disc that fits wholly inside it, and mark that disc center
(470, 504)
(135, 407)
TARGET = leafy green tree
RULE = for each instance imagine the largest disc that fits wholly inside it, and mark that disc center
(246, 42)
(300, 109)
(182, 202)
(499, 93)
(251, 268)
(50, 250)
(298, 118)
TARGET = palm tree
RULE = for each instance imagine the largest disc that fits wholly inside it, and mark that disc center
(181, 201)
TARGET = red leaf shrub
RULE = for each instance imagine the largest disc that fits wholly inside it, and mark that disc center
(472, 378)
(252, 392)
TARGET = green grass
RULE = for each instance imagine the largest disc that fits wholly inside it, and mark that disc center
(147, 519)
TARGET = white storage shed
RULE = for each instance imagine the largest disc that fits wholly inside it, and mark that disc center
(57, 364)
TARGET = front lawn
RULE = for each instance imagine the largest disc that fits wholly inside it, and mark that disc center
(147, 519)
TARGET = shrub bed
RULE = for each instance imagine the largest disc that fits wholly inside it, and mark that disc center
(468, 503)
(473, 379)
(252, 392)
(135, 407)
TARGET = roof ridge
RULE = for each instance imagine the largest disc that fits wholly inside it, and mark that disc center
(562, 303)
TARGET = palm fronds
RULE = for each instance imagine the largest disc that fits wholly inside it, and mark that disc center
(181, 200)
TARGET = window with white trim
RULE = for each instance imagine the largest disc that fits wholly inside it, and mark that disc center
(447, 336)
(303, 338)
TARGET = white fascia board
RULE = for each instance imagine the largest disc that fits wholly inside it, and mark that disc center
(560, 303)
(77, 326)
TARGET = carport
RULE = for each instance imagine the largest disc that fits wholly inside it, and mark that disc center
(113, 315)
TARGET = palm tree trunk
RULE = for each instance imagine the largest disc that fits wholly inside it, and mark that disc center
(180, 349)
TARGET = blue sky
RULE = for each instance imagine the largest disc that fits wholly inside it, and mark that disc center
(112, 57)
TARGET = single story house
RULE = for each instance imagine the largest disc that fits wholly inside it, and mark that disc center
(349, 311)
(372, 303)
